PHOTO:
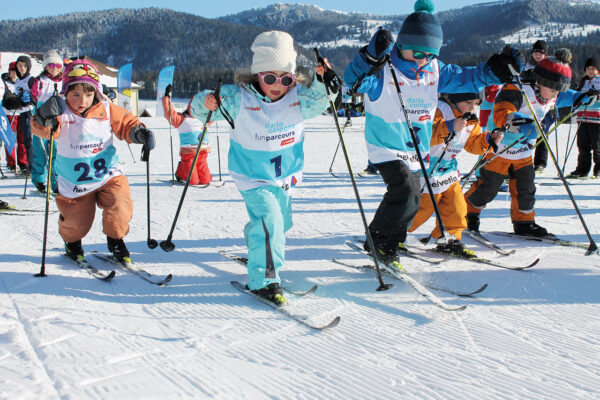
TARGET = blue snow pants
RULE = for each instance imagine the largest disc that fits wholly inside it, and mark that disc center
(270, 211)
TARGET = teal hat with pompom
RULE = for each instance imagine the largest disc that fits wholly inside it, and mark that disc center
(421, 30)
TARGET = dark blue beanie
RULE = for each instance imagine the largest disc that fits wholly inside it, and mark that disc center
(421, 30)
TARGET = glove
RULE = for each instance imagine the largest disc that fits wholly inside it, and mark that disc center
(490, 138)
(586, 98)
(331, 80)
(168, 90)
(520, 123)
(47, 112)
(140, 135)
(25, 97)
(379, 47)
(378, 50)
(499, 63)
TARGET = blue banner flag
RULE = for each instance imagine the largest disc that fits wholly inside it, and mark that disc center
(165, 78)
(124, 85)
(7, 134)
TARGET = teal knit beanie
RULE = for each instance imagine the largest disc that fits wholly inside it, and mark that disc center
(421, 30)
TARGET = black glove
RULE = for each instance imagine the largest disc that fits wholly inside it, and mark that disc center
(331, 80)
(168, 90)
(139, 134)
(47, 112)
(499, 63)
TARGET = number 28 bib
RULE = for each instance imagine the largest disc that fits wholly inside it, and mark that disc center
(85, 155)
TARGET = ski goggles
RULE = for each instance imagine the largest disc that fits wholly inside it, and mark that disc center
(271, 79)
(419, 55)
(83, 70)
(52, 65)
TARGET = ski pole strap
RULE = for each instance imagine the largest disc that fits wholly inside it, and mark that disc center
(223, 110)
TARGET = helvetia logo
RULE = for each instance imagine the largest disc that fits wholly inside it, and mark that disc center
(287, 141)
(253, 108)
(97, 150)
(425, 117)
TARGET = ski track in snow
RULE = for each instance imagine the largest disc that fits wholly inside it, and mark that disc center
(530, 335)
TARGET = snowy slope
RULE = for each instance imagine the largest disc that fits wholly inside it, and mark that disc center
(530, 335)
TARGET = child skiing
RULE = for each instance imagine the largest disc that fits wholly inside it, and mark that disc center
(421, 77)
(266, 155)
(454, 127)
(48, 83)
(22, 90)
(12, 105)
(86, 160)
(550, 88)
(588, 133)
(189, 131)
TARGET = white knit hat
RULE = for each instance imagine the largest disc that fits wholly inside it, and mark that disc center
(52, 57)
(273, 51)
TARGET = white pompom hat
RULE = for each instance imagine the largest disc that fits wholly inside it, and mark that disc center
(273, 51)
(51, 57)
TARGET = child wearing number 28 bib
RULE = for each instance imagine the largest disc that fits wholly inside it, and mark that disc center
(86, 159)
(266, 156)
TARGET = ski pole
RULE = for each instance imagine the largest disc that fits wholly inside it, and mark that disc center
(146, 157)
(168, 245)
(219, 156)
(334, 155)
(42, 272)
(593, 248)
(171, 142)
(131, 152)
(413, 136)
(382, 284)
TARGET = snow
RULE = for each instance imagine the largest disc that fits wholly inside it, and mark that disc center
(530, 335)
(550, 30)
(372, 26)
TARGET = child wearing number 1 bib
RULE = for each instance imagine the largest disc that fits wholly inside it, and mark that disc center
(86, 159)
(268, 107)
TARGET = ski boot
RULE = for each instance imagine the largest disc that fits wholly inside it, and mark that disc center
(529, 229)
(41, 186)
(454, 246)
(118, 249)
(473, 222)
(74, 250)
(539, 169)
(4, 205)
(387, 257)
(273, 293)
(369, 171)
(576, 175)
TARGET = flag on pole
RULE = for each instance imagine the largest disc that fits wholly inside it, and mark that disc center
(165, 78)
(7, 134)
(124, 85)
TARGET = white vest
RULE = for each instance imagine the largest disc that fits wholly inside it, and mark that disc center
(524, 149)
(447, 171)
(24, 85)
(85, 156)
(47, 89)
(266, 146)
(386, 131)
(189, 133)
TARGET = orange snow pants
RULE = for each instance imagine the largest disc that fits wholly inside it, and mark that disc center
(521, 187)
(77, 215)
(201, 174)
(453, 209)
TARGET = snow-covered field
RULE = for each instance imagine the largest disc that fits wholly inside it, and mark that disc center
(531, 335)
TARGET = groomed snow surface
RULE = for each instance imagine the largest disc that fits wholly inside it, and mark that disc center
(531, 335)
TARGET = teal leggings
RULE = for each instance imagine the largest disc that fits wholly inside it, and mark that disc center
(270, 211)
(39, 170)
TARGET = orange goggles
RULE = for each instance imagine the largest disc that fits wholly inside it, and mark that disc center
(83, 70)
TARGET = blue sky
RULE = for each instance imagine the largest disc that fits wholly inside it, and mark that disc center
(212, 9)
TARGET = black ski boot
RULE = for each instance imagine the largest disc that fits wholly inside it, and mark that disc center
(273, 293)
(529, 229)
(41, 186)
(455, 247)
(386, 254)
(473, 222)
(4, 205)
(118, 249)
(74, 250)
